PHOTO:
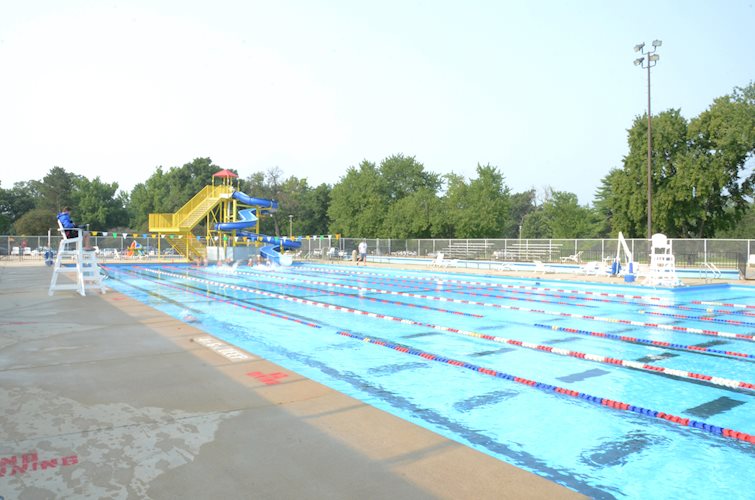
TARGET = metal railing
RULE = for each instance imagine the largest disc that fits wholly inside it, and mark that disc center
(689, 253)
(724, 254)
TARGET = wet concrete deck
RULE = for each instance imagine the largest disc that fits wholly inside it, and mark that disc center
(104, 397)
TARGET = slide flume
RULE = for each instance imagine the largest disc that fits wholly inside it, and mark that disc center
(249, 219)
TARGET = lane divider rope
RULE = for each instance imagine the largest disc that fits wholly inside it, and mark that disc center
(723, 304)
(487, 283)
(352, 296)
(501, 340)
(225, 301)
(636, 340)
(617, 405)
(699, 318)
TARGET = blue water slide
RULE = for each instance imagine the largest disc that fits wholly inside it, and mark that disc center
(248, 219)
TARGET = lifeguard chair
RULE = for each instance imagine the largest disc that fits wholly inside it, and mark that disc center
(662, 269)
(85, 269)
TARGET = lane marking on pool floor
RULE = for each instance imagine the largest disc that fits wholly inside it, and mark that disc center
(492, 286)
(488, 283)
(225, 301)
(660, 326)
(593, 295)
(405, 294)
(636, 340)
(618, 405)
(352, 296)
(501, 340)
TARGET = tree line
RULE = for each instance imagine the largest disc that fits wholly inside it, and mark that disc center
(702, 183)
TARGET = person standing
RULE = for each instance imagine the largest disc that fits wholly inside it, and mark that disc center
(362, 252)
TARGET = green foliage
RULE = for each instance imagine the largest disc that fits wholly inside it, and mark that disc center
(98, 205)
(700, 182)
(479, 209)
(417, 215)
(166, 192)
(521, 204)
(358, 202)
(295, 197)
(560, 217)
(56, 190)
(14, 203)
(403, 176)
(35, 222)
(314, 211)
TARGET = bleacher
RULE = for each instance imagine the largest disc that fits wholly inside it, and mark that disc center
(529, 252)
(468, 250)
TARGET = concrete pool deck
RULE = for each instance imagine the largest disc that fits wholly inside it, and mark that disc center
(105, 397)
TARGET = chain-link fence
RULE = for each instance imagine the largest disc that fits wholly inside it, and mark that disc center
(689, 253)
(115, 246)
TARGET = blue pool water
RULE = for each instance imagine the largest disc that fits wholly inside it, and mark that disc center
(441, 350)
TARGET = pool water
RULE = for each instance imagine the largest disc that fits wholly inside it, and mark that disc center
(612, 391)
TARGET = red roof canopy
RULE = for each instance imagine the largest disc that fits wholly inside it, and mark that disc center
(224, 173)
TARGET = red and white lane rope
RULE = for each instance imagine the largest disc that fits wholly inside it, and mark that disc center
(391, 292)
(369, 299)
(485, 283)
(225, 301)
(637, 340)
(617, 405)
(723, 304)
(501, 340)
(591, 296)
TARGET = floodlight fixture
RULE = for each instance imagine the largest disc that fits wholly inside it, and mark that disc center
(657, 43)
(653, 57)
(639, 47)
(638, 61)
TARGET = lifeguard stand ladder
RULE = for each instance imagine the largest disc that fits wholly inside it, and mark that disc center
(85, 269)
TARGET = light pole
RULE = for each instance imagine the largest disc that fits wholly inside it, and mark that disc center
(291, 226)
(652, 59)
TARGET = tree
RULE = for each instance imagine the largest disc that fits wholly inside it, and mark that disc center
(521, 204)
(479, 209)
(98, 205)
(166, 192)
(700, 181)
(403, 176)
(315, 204)
(14, 203)
(559, 216)
(56, 190)
(34, 222)
(358, 202)
(417, 215)
(604, 205)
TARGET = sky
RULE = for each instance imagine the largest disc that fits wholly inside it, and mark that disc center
(544, 90)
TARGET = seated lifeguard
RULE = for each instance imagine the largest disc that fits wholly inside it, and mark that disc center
(64, 217)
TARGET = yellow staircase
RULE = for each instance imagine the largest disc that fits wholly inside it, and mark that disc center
(179, 225)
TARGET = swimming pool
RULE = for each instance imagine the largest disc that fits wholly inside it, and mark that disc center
(611, 391)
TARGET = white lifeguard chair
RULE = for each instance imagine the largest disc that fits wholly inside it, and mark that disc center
(662, 269)
(84, 267)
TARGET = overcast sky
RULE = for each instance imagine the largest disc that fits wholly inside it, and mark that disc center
(543, 90)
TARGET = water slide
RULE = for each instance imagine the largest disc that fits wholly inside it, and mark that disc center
(249, 220)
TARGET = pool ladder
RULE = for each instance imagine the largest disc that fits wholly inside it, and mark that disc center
(710, 272)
